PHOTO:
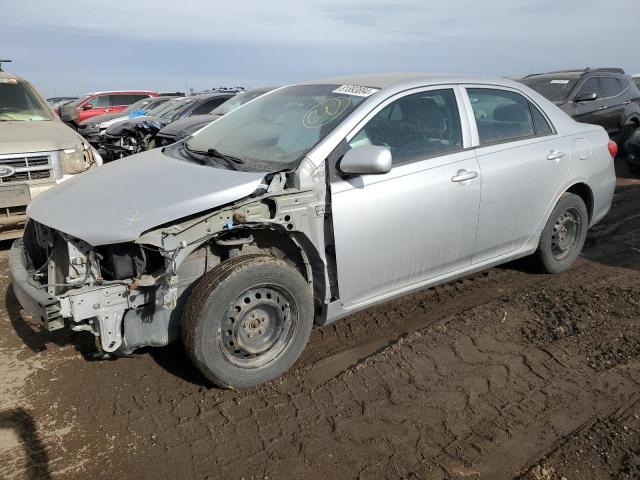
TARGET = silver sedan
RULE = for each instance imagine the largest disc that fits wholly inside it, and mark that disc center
(305, 205)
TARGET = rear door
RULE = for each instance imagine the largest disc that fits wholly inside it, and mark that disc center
(612, 117)
(523, 163)
(418, 221)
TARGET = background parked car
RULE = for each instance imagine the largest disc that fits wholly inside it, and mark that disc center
(92, 127)
(632, 149)
(98, 103)
(603, 96)
(136, 135)
(184, 127)
(37, 151)
(53, 101)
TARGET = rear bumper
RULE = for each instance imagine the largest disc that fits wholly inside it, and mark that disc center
(42, 307)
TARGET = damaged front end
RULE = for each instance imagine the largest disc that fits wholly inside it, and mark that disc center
(57, 277)
(129, 137)
(131, 294)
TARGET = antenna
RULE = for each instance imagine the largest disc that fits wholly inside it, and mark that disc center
(3, 61)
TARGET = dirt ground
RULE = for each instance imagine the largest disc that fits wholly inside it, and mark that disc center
(504, 374)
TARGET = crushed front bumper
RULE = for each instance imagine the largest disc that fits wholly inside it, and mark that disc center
(42, 307)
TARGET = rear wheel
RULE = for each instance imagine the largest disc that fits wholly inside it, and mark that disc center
(247, 321)
(624, 135)
(564, 234)
(632, 149)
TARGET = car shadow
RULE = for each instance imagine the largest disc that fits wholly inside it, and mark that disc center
(174, 360)
(21, 423)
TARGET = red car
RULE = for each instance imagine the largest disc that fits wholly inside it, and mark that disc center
(98, 103)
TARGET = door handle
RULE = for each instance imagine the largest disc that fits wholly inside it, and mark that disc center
(602, 108)
(555, 155)
(463, 176)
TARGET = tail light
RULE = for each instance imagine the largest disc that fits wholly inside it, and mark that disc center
(613, 149)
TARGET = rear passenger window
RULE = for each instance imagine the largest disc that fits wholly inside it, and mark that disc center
(122, 99)
(416, 126)
(610, 86)
(501, 115)
(540, 122)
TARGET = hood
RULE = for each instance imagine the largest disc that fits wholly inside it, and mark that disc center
(186, 126)
(36, 136)
(119, 201)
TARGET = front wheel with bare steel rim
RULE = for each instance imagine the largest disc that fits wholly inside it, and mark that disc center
(247, 320)
(564, 234)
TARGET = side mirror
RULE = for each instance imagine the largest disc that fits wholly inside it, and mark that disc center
(586, 97)
(87, 106)
(365, 160)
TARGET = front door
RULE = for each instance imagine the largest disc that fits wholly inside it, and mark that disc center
(397, 230)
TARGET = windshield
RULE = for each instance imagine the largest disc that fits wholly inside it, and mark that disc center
(20, 103)
(160, 109)
(554, 88)
(280, 128)
(237, 101)
(636, 80)
(139, 105)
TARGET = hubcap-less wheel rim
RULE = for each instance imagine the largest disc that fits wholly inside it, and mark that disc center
(258, 326)
(566, 234)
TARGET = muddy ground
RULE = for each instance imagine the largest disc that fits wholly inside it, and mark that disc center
(504, 374)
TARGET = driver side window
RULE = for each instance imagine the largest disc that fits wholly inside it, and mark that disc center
(416, 126)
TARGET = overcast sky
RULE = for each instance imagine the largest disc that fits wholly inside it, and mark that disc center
(70, 47)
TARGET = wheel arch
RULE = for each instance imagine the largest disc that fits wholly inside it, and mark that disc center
(585, 193)
(296, 249)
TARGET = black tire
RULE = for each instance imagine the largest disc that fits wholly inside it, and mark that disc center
(255, 296)
(625, 133)
(632, 152)
(564, 234)
(633, 168)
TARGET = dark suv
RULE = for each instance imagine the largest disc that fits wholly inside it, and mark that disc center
(604, 96)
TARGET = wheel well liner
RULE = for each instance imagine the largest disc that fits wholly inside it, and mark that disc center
(583, 191)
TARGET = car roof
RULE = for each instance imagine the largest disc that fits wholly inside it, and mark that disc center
(117, 91)
(579, 72)
(385, 80)
(9, 75)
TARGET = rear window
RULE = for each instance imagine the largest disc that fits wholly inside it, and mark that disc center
(553, 88)
(611, 86)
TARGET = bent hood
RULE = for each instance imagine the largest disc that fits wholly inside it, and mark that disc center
(36, 136)
(122, 127)
(186, 126)
(119, 201)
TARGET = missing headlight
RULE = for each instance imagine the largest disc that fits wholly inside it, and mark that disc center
(126, 260)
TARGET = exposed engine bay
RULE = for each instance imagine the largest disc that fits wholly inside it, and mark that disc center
(129, 137)
(131, 294)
